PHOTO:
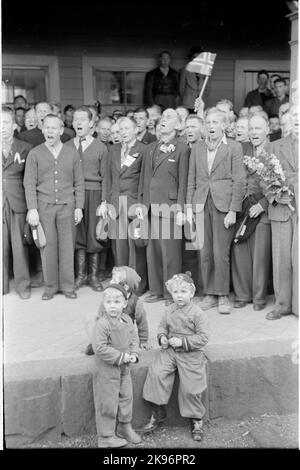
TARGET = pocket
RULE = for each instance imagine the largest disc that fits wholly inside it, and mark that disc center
(172, 195)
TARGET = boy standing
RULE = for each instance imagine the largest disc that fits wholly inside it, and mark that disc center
(182, 334)
(115, 344)
(93, 156)
(54, 190)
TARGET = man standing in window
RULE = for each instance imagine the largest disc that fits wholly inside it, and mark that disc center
(260, 95)
(162, 83)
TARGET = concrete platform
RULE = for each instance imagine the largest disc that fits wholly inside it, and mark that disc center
(252, 365)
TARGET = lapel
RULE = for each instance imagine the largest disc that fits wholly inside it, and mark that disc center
(151, 155)
(221, 152)
(287, 150)
(166, 155)
(6, 162)
(132, 151)
(202, 158)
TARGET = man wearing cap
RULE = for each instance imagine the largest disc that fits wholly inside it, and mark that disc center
(54, 190)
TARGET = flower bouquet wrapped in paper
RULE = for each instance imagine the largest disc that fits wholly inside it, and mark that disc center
(272, 178)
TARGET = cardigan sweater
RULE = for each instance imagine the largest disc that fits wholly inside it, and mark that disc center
(54, 181)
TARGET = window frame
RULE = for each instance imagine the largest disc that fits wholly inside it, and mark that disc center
(242, 66)
(49, 63)
(109, 64)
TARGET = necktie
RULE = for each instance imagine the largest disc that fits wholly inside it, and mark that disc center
(80, 149)
(124, 154)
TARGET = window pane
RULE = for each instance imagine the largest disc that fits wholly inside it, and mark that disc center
(110, 87)
(134, 88)
(27, 82)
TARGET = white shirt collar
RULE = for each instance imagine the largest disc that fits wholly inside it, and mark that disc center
(88, 139)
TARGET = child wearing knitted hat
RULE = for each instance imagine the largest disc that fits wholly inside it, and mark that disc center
(129, 278)
(182, 335)
(115, 343)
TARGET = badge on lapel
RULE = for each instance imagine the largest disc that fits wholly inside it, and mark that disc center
(130, 159)
(17, 158)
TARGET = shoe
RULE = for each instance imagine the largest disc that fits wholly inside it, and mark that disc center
(24, 295)
(153, 298)
(89, 350)
(239, 304)
(47, 296)
(197, 430)
(273, 315)
(258, 306)
(70, 295)
(208, 302)
(102, 275)
(125, 431)
(224, 305)
(80, 268)
(93, 280)
(158, 417)
(111, 441)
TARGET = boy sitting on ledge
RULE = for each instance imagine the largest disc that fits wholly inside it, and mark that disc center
(182, 334)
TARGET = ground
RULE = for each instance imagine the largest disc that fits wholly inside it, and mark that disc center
(265, 431)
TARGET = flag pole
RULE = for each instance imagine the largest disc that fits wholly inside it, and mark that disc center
(203, 86)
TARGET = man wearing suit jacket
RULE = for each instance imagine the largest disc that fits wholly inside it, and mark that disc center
(163, 182)
(162, 84)
(123, 176)
(284, 226)
(216, 185)
(14, 154)
(251, 258)
(141, 117)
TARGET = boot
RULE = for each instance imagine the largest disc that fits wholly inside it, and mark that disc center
(93, 268)
(80, 267)
(125, 431)
(158, 416)
(197, 429)
(111, 442)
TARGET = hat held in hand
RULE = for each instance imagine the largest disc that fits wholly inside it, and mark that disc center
(38, 236)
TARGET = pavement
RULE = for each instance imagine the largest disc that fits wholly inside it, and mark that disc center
(37, 330)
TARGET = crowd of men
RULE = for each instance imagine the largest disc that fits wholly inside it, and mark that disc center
(160, 169)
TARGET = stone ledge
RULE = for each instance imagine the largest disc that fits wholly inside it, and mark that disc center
(55, 396)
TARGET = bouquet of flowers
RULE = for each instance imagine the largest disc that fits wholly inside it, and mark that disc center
(272, 177)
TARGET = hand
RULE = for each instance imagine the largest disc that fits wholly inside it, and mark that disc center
(126, 358)
(199, 106)
(175, 342)
(33, 217)
(285, 199)
(190, 216)
(255, 210)
(180, 218)
(102, 210)
(78, 216)
(139, 213)
(230, 219)
(164, 342)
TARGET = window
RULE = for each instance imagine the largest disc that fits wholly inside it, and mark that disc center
(119, 89)
(34, 76)
(31, 83)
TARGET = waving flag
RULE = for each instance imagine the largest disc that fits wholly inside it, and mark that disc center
(203, 63)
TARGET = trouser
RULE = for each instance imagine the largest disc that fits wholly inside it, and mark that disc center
(58, 255)
(215, 253)
(13, 230)
(285, 264)
(250, 263)
(164, 253)
(86, 230)
(192, 380)
(112, 388)
(127, 253)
